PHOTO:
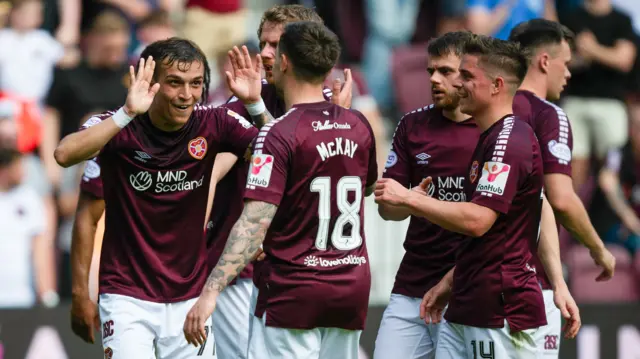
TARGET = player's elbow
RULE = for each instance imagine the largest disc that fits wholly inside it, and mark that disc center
(562, 201)
(62, 156)
(480, 221)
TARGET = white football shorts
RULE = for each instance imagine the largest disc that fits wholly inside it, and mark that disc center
(133, 328)
(548, 337)
(231, 320)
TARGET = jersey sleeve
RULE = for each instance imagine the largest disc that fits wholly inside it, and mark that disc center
(237, 106)
(236, 132)
(397, 166)
(91, 181)
(268, 172)
(556, 141)
(506, 165)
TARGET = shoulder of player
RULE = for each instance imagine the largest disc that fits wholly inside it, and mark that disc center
(421, 115)
(211, 112)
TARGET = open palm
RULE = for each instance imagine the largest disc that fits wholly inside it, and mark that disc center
(141, 92)
(245, 81)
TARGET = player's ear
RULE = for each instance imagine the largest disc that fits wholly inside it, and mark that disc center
(284, 63)
(497, 85)
(543, 62)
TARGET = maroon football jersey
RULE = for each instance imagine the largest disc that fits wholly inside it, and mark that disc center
(314, 164)
(428, 144)
(155, 190)
(91, 182)
(552, 128)
(228, 201)
(494, 279)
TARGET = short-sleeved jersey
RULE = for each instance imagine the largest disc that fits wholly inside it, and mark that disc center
(228, 201)
(155, 190)
(428, 144)
(493, 278)
(91, 182)
(552, 128)
(314, 163)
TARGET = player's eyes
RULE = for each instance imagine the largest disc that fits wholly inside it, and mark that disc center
(430, 71)
(196, 83)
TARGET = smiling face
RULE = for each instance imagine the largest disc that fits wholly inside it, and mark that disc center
(444, 73)
(269, 38)
(181, 86)
(473, 85)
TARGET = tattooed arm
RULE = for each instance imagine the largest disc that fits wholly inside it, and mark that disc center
(243, 244)
(262, 119)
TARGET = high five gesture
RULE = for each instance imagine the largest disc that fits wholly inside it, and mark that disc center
(141, 92)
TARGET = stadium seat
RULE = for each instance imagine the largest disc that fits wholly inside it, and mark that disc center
(410, 77)
(623, 287)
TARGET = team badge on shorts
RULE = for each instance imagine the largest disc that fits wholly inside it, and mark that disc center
(198, 148)
(108, 353)
(473, 175)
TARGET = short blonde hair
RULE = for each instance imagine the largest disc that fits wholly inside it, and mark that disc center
(284, 14)
(109, 22)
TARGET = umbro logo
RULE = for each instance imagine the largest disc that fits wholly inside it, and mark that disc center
(422, 158)
(142, 156)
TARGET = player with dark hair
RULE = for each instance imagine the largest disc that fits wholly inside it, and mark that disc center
(309, 173)
(434, 141)
(500, 222)
(548, 48)
(157, 154)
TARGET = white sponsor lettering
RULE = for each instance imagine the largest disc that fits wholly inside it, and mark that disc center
(392, 159)
(450, 189)
(560, 150)
(91, 170)
(328, 125)
(337, 147)
(260, 170)
(166, 181)
(494, 178)
(313, 261)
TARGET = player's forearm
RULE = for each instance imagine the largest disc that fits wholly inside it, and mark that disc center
(390, 212)
(44, 263)
(575, 219)
(83, 145)
(262, 119)
(82, 245)
(549, 247)
(616, 57)
(242, 246)
(460, 217)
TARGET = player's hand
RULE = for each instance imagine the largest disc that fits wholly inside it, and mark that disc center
(342, 95)
(564, 301)
(260, 256)
(194, 323)
(84, 318)
(423, 187)
(246, 79)
(389, 191)
(434, 302)
(604, 259)
(141, 92)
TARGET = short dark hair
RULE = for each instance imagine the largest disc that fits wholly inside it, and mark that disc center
(311, 47)
(499, 56)
(536, 33)
(449, 43)
(156, 18)
(185, 52)
(284, 14)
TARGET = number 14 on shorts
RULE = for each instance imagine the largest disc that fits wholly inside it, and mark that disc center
(483, 349)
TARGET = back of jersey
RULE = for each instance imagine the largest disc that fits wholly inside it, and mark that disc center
(315, 163)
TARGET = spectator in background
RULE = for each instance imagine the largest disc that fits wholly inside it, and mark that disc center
(25, 253)
(155, 27)
(596, 91)
(99, 82)
(615, 208)
(215, 26)
(497, 17)
(452, 15)
(391, 23)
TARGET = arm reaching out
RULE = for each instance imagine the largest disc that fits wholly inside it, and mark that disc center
(242, 247)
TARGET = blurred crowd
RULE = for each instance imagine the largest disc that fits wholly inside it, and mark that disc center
(63, 60)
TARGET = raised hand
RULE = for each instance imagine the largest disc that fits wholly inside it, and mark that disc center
(342, 95)
(245, 81)
(141, 92)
